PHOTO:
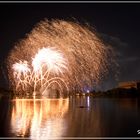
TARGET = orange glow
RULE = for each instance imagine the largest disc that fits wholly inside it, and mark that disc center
(33, 116)
(65, 55)
(45, 62)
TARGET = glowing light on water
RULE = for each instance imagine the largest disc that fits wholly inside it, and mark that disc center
(32, 117)
(88, 101)
(60, 55)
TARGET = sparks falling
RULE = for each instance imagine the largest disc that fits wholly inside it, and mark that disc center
(60, 55)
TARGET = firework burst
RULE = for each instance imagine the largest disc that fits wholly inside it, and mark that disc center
(61, 55)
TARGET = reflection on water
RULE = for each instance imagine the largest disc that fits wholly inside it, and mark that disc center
(104, 117)
(37, 117)
(74, 117)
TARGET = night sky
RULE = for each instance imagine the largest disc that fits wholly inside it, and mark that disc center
(118, 25)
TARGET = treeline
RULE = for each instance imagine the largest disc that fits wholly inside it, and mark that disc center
(122, 92)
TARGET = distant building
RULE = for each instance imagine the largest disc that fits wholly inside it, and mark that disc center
(129, 84)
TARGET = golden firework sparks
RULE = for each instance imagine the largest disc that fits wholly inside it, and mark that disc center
(60, 55)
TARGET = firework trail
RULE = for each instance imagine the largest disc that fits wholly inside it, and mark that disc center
(61, 55)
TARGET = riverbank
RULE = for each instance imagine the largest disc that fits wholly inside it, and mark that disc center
(116, 92)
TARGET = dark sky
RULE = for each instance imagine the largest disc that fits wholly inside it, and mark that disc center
(118, 24)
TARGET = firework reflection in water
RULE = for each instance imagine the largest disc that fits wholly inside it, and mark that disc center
(59, 55)
(32, 117)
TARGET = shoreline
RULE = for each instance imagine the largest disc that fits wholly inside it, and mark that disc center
(113, 93)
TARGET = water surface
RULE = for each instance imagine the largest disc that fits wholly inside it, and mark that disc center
(71, 117)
